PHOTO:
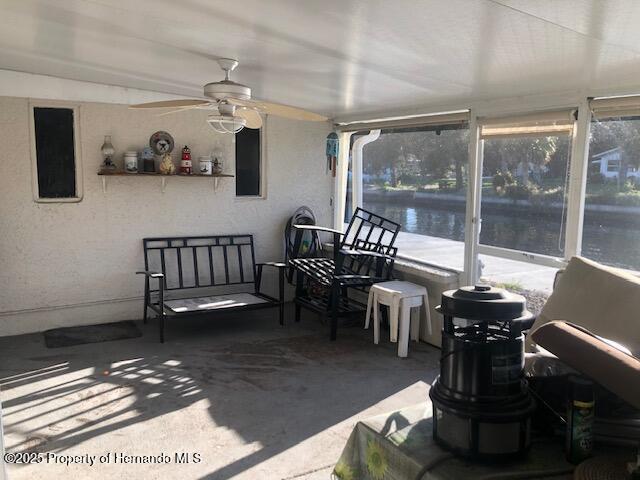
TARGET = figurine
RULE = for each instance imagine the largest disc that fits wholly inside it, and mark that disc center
(166, 165)
(186, 167)
(217, 166)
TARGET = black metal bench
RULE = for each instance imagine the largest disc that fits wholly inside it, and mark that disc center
(224, 263)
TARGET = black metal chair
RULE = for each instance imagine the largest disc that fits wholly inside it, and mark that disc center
(362, 256)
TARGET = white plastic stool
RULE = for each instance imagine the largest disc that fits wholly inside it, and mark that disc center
(400, 297)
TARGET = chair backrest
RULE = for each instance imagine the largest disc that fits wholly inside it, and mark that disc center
(371, 232)
(203, 261)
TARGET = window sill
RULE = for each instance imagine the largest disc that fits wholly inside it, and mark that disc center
(58, 200)
(248, 198)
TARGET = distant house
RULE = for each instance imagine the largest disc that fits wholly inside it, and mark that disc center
(608, 164)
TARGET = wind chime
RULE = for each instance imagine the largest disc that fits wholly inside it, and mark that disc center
(332, 153)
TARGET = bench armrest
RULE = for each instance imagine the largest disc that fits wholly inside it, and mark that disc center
(281, 269)
(318, 228)
(150, 274)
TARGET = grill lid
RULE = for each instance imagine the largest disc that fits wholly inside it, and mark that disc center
(484, 302)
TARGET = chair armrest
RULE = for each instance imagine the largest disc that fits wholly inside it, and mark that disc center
(272, 264)
(354, 252)
(315, 228)
(150, 274)
(318, 229)
(351, 277)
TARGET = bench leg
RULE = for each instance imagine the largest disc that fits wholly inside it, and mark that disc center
(161, 317)
(146, 298)
(161, 323)
(281, 293)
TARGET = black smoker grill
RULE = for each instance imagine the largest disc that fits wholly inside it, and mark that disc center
(481, 404)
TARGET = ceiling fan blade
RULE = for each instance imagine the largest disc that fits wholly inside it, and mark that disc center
(185, 109)
(253, 118)
(171, 104)
(279, 110)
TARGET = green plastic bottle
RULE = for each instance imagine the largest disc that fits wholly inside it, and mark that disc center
(579, 437)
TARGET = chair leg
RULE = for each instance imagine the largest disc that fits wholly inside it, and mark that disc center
(299, 292)
(335, 300)
(144, 315)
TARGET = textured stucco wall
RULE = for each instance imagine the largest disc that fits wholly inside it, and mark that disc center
(74, 263)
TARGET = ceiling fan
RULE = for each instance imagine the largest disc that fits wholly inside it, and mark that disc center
(232, 106)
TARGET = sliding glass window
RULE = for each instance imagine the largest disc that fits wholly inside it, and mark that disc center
(611, 231)
(524, 199)
(417, 177)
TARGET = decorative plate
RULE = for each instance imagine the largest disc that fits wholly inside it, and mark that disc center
(161, 143)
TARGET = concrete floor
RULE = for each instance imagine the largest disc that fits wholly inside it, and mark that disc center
(252, 399)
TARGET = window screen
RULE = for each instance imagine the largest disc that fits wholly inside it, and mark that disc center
(248, 163)
(55, 152)
(417, 177)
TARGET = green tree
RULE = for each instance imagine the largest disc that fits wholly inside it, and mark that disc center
(523, 154)
(413, 157)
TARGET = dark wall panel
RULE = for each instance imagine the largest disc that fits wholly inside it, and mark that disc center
(55, 152)
(248, 162)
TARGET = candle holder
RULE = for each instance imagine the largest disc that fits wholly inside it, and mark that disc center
(107, 151)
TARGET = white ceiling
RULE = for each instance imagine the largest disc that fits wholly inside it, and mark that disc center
(336, 57)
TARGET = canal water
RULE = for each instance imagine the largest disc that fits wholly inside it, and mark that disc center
(615, 242)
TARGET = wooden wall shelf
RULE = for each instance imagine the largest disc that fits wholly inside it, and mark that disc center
(163, 178)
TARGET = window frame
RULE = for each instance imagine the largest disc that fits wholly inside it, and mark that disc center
(263, 168)
(525, 255)
(79, 193)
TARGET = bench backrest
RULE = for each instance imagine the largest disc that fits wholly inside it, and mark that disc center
(203, 261)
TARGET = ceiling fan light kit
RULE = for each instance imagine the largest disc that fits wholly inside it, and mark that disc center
(233, 107)
(225, 124)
